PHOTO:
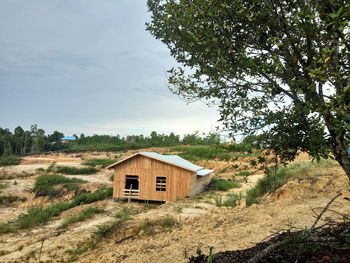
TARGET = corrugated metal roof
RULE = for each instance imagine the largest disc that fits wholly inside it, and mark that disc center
(204, 172)
(69, 138)
(173, 159)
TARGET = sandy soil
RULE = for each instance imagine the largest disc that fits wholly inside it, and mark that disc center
(202, 224)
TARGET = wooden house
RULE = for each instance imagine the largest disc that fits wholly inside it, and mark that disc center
(152, 176)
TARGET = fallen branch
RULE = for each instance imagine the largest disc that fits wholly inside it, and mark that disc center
(270, 248)
(324, 210)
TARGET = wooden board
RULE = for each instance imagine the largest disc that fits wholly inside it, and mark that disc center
(178, 180)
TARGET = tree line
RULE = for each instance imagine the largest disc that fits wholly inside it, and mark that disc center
(35, 140)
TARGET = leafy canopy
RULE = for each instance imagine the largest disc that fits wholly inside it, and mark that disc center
(279, 68)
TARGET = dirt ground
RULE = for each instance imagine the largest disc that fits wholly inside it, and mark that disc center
(201, 222)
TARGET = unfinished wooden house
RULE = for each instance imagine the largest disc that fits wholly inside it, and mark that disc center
(156, 177)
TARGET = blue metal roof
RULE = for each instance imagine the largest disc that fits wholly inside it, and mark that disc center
(68, 138)
(171, 159)
(174, 159)
(204, 172)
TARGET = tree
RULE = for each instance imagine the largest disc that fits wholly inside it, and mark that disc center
(277, 68)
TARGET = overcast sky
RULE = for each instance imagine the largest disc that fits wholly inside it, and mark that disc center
(90, 67)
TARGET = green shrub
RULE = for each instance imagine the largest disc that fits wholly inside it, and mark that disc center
(41, 170)
(3, 185)
(5, 228)
(74, 170)
(9, 160)
(270, 183)
(38, 215)
(88, 198)
(125, 213)
(222, 184)
(243, 173)
(105, 229)
(82, 216)
(231, 200)
(44, 184)
(99, 162)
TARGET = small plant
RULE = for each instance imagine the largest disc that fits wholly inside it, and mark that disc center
(82, 216)
(3, 185)
(243, 173)
(51, 167)
(105, 229)
(40, 170)
(222, 184)
(99, 162)
(5, 228)
(74, 170)
(15, 182)
(125, 213)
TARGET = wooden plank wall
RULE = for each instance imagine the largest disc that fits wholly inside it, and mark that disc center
(178, 179)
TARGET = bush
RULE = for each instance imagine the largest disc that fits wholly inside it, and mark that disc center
(101, 162)
(9, 160)
(74, 170)
(243, 173)
(82, 216)
(5, 228)
(274, 179)
(222, 184)
(44, 184)
(125, 213)
(88, 198)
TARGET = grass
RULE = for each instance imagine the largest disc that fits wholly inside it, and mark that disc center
(125, 213)
(150, 227)
(221, 184)
(9, 199)
(230, 200)
(38, 215)
(104, 230)
(9, 160)
(82, 216)
(243, 173)
(197, 153)
(276, 178)
(74, 170)
(45, 184)
(99, 162)
(3, 185)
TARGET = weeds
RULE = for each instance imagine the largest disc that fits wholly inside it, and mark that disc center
(82, 216)
(38, 215)
(74, 170)
(277, 177)
(9, 160)
(243, 173)
(44, 184)
(230, 201)
(9, 199)
(150, 227)
(125, 213)
(3, 185)
(99, 162)
(222, 184)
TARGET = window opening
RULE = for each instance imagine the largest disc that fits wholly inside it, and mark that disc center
(161, 184)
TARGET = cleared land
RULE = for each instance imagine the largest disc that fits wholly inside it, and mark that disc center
(108, 231)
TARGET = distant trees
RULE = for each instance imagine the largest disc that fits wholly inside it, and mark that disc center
(34, 140)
